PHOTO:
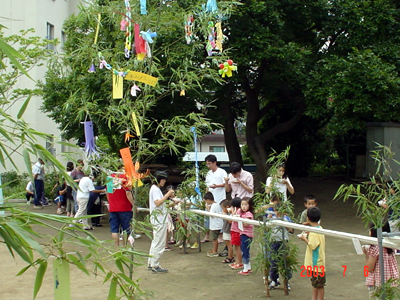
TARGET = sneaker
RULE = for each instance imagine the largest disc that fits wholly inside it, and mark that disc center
(195, 246)
(237, 266)
(59, 211)
(167, 249)
(149, 268)
(37, 207)
(244, 273)
(273, 285)
(288, 287)
(212, 254)
(137, 236)
(159, 269)
(187, 246)
(47, 204)
(223, 254)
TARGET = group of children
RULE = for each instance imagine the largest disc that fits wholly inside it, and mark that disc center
(238, 237)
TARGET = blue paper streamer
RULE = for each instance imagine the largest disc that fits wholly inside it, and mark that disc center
(143, 9)
(211, 6)
(197, 188)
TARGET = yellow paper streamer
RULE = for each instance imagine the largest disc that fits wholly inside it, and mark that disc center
(182, 93)
(218, 42)
(97, 29)
(135, 123)
(137, 76)
(118, 87)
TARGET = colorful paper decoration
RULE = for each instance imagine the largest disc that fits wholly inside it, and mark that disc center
(182, 93)
(141, 77)
(128, 136)
(90, 145)
(148, 36)
(197, 188)
(210, 40)
(61, 279)
(132, 171)
(92, 69)
(97, 29)
(143, 9)
(134, 89)
(189, 24)
(128, 28)
(227, 68)
(140, 44)
(135, 123)
(118, 87)
(211, 6)
(218, 43)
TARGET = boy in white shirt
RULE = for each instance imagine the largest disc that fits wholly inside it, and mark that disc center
(215, 223)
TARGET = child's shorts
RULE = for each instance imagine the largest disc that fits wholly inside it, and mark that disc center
(235, 238)
(214, 234)
(318, 282)
(226, 236)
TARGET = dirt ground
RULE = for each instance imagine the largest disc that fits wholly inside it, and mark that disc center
(195, 276)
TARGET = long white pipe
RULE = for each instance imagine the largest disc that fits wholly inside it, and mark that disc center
(387, 242)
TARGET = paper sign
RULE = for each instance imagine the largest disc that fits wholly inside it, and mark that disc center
(357, 246)
(118, 87)
(240, 225)
(61, 279)
(137, 76)
(135, 123)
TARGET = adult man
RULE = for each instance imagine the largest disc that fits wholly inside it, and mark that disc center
(120, 203)
(38, 176)
(240, 182)
(215, 179)
(158, 219)
(77, 174)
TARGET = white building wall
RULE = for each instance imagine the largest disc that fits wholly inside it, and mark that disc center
(19, 15)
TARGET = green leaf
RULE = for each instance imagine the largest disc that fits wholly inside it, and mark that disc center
(23, 107)
(112, 293)
(12, 55)
(39, 277)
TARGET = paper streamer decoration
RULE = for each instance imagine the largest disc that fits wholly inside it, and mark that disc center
(189, 24)
(128, 27)
(118, 87)
(218, 43)
(141, 77)
(227, 68)
(90, 145)
(197, 188)
(143, 9)
(148, 36)
(92, 69)
(128, 164)
(135, 123)
(128, 136)
(97, 29)
(134, 89)
(211, 6)
(61, 279)
(140, 44)
(110, 184)
(210, 40)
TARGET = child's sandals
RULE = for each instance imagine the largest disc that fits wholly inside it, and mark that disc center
(228, 260)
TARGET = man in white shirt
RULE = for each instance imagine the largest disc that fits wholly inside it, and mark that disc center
(38, 176)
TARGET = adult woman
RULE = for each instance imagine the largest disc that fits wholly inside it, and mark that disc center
(158, 219)
(279, 183)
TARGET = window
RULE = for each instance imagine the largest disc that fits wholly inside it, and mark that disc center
(217, 148)
(50, 35)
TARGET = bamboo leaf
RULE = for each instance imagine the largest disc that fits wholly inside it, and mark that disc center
(39, 277)
(23, 107)
(12, 55)
(112, 293)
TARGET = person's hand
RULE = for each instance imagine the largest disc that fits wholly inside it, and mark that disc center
(284, 181)
(213, 186)
(237, 181)
(171, 193)
(303, 236)
(226, 179)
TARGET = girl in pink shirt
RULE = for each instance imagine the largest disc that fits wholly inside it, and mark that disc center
(246, 234)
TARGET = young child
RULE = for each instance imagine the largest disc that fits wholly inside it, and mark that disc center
(235, 234)
(246, 234)
(279, 235)
(226, 231)
(371, 252)
(309, 201)
(215, 223)
(315, 254)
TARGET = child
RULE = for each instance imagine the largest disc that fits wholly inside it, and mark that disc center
(372, 262)
(226, 231)
(215, 223)
(309, 201)
(235, 234)
(315, 254)
(279, 235)
(246, 234)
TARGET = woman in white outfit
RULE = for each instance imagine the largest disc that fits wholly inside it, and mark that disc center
(279, 184)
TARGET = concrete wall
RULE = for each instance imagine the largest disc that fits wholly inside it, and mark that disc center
(18, 15)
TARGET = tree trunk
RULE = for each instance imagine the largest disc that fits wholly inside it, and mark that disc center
(231, 140)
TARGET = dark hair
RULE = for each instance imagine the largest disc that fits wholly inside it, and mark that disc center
(208, 196)
(250, 202)
(211, 158)
(309, 197)
(275, 197)
(70, 166)
(374, 233)
(225, 203)
(314, 214)
(282, 165)
(160, 175)
(235, 167)
(236, 202)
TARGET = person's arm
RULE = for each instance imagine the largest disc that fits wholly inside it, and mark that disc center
(130, 197)
(288, 185)
(248, 187)
(370, 261)
(227, 186)
(268, 186)
(163, 199)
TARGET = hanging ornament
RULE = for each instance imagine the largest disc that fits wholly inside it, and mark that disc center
(90, 145)
(128, 136)
(210, 40)
(189, 24)
(92, 69)
(218, 43)
(227, 68)
(134, 89)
